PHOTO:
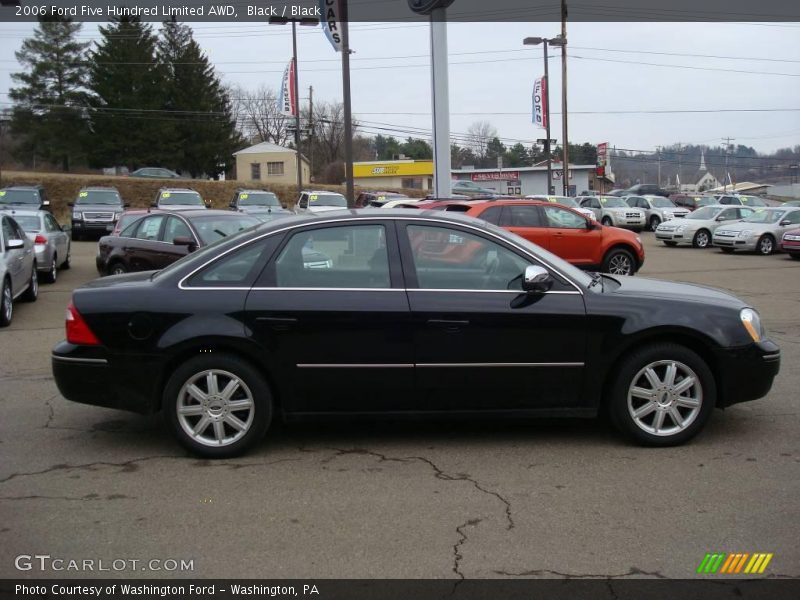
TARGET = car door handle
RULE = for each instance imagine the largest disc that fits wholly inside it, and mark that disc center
(450, 325)
(278, 323)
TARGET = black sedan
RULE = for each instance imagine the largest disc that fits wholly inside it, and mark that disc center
(391, 313)
(162, 237)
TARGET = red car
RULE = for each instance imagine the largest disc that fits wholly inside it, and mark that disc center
(790, 242)
(566, 233)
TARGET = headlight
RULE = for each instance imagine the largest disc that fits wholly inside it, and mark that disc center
(752, 323)
(77, 216)
(680, 229)
(745, 233)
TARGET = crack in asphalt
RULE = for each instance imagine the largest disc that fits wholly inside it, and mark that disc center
(540, 572)
(87, 498)
(457, 556)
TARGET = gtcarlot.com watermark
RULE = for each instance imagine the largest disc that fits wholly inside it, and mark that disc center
(47, 563)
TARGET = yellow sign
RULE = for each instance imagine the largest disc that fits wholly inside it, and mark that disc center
(84, 194)
(393, 169)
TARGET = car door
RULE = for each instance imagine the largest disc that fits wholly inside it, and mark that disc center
(23, 257)
(170, 252)
(144, 250)
(593, 204)
(14, 257)
(331, 308)
(572, 236)
(480, 342)
(527, 222)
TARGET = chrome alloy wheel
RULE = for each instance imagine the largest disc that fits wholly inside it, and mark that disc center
(215, 408)
(620, 264)
(8, 303)
(766, 245)
(701, 239)
(665, 397)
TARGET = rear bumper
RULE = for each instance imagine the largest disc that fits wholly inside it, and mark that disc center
(747, 373)
(89, 375)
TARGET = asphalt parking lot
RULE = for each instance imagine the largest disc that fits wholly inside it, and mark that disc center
(548, 498)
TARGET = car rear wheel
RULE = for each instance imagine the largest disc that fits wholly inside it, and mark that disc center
(663, 395)
(607, 221)
(32, 293)
(117, 269)
(766, 245)
(217, 405)
(701, 239)
(795, 256)
(6, 304)
(619, 261)
(52, 274)
(654, 223)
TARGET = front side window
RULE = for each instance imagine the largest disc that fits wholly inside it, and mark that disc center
(562, 218)
(335, 257)
(447, 258)
(176, 228)
(149, 228)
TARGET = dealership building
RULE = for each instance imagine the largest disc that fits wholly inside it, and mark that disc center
(525, 181)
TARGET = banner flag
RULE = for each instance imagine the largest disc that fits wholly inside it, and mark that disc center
(286, 99)
(331, 11)
(540, 108)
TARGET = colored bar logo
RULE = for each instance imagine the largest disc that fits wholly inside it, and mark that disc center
(734, 563)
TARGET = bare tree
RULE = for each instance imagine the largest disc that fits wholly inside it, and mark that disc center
(480, 133)
(258, 116)
(327, 131)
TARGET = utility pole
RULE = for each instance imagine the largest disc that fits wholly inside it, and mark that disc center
(310, 131)
(658, 152)
(727, 141)
(565, 140)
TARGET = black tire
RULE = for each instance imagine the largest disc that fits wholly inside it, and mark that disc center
(702, 239)
(607, 222)
(6, 303)
(795, 255)
(52, 274)
(67, 263)
(117, 268)
(619, 261)
(671, 244)
(766, 245)
(654, 223)
(629, 373)
(255, 388)
(727, 250)
(32, 293)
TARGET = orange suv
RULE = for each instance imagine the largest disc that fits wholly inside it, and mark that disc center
(566, 233)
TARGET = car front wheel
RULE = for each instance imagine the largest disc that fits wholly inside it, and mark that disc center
(6, 304)
(654, 223)
(217, 405)
(766, 245)
(701, 239)
(32, 293)
(607, 221)
(52, 274)
(619, 261)
(662, 395)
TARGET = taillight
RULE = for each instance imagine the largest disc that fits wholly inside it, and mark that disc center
(40, 239)
(78, 331)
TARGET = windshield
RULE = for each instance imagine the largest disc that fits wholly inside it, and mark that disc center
(182, 198)
(110, 197)
(661, 202)
(563, 201)
(704, 200)
(328, 200)
(574, 273)
(752, 201)
(19, 197)
(212, 229)
(258, 199)
(28, 223)
(705, 213)
(765, 216)
(613, 202)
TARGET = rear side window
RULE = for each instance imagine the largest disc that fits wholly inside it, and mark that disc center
(492, 215)
(237, 269)
(522, 216)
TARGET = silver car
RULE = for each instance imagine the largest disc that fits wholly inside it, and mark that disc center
(18, 277)
(760, 231)
(657, 209)
(51, 241)
(613, 211)
(313, 201)
(698, 227)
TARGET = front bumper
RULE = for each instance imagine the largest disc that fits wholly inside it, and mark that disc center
(747, 373)
(98, 227)
(737, 242)
(685, 237)
(91, 375)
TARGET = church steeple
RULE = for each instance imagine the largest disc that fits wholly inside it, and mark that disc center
(703, 160)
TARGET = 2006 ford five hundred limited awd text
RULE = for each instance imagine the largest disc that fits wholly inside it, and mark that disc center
(365, 312)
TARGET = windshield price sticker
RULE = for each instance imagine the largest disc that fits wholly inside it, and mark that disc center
(244, 196)
(165, 195)
(83, 194)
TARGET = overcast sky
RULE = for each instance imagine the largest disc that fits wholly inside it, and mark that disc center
(491, 76)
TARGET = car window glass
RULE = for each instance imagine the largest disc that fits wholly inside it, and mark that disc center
(451, 259)
(492, 214)
(522, 216)
(793, 217)
(562, 218)
(8, 232)
(52, 224)
(239, 268)
(176, 227)
(744, 212)
(149, 227)
(335, 257)
(18, 231)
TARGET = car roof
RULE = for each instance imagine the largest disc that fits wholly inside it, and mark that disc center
(176, 189)
(240, 190)
(320, 192)
(27, 213)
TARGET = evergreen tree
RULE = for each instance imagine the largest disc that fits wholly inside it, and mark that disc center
(128, 87)
(202, 135)
(49, 105)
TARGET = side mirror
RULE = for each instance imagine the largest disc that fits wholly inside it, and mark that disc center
(70, 204)
(66, 227)
(786, 222)
(14, 244)
(720, 218)
(536, 279)
(183, 240)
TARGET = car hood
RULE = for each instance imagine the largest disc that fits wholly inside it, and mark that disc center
(642, 287)
(319, 209)
(675, 210)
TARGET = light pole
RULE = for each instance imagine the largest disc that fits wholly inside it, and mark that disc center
(296, 107)
(535, 41)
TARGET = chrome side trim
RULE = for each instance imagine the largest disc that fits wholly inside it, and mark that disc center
(181, 285)
(355, 366)
(88, 361)
(515, 292)
(470, 365)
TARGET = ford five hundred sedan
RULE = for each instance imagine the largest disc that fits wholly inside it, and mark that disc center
(760, 232)
(417, 313)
